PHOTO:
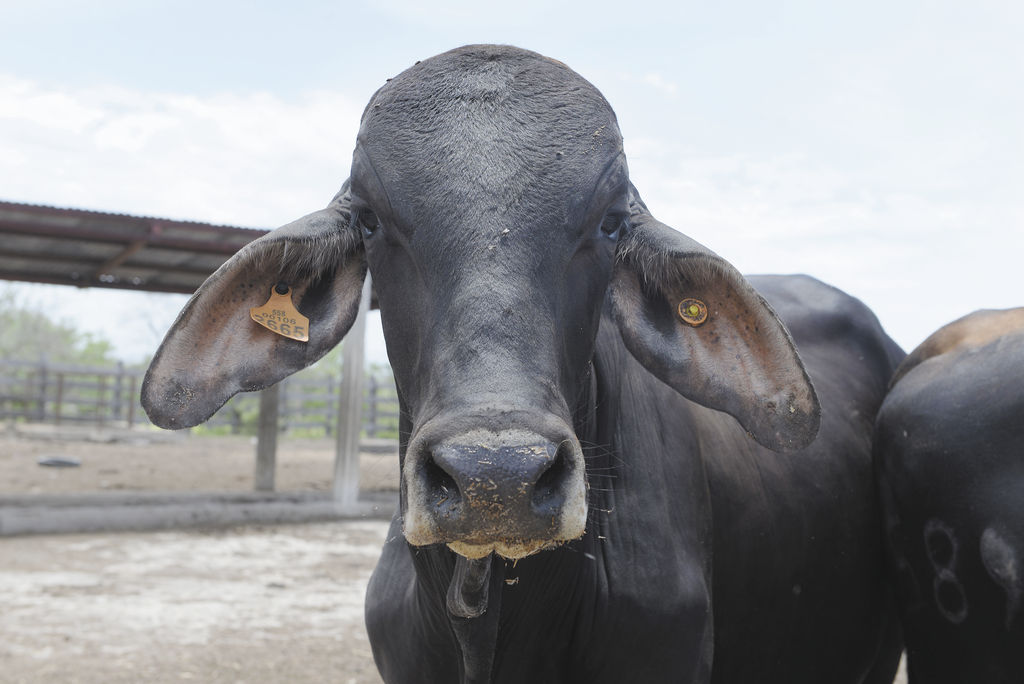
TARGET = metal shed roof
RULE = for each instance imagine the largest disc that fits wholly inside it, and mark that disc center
(46, 244)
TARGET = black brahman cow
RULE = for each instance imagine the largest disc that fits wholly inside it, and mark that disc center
(609, 462)
(949, 448)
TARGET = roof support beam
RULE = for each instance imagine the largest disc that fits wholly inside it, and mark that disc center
(119, 258)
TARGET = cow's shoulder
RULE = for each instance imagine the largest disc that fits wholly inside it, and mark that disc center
(823, 318)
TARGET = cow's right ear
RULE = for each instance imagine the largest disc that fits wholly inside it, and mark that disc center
(694, 322)
(215, 350)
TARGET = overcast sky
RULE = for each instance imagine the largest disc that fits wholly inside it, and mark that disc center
(875, 145)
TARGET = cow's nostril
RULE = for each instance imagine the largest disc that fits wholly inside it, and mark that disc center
(547, 493)
(442, 491)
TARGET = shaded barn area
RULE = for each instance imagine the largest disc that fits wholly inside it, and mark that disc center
(82, 248)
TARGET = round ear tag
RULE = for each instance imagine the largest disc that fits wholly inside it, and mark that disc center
(693, 311)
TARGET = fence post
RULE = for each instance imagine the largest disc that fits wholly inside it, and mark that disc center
(60, 398)
(118, 407)
(350, 404)
(371, 423)
(41, 411)
(101, 393)
(266, 440)
(282, 405)
(132, 400)
(330, 410)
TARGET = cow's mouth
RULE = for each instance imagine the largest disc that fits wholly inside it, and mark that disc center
(512, 550)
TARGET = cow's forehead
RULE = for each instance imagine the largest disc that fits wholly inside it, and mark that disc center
(489, 109)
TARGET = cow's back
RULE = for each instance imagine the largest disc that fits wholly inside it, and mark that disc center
(799, 592)
(951, 469)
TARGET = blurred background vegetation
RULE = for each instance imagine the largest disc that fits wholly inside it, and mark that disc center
(28, 335)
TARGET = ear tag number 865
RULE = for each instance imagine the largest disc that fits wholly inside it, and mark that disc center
(279, 315)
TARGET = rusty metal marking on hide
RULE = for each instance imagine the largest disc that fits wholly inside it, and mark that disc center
(279, 315)
(693, 311)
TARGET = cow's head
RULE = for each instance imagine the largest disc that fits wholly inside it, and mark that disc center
(490, 198)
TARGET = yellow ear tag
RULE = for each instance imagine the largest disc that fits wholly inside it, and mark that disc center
(280, 315)
(693, 311)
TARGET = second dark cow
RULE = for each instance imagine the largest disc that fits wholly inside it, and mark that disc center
(950, 454)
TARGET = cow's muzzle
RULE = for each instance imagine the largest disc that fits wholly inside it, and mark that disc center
(513, 492)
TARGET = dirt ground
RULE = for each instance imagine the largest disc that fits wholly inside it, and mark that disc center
(245, 605)
(157, 460)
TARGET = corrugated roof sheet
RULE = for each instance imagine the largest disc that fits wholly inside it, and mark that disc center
(97, 249)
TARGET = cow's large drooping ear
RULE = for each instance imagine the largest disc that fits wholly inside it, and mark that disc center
(215, 350)
(691, 319)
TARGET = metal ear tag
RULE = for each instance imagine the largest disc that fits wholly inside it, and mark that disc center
(279, 315)
(693, 311)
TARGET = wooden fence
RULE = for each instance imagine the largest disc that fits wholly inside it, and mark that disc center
(109, 397)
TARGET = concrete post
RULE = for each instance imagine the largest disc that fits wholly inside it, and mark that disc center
(350, 404)
(266, 440)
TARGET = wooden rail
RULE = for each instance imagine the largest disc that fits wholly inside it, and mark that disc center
(108, 396)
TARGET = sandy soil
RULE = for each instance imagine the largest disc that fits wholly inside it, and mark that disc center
(267, 605)
(152, 460)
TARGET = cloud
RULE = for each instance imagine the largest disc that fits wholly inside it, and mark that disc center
(660, 83)
(50, 109)
(248, 159)
(449, 14)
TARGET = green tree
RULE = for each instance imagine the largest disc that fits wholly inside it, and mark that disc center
(27, 335)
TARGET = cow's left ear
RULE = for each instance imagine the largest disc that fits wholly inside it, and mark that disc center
(694, 322)
(215, 349)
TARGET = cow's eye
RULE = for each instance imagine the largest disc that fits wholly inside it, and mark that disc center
(367, 222)
(613, 225)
